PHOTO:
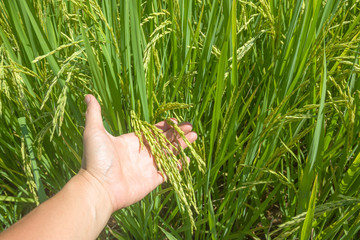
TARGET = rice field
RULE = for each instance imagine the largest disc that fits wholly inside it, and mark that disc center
(271, 87)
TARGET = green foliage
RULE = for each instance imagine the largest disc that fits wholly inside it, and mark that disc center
(307, 226)
(274, 92)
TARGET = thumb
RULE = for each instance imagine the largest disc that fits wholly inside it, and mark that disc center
(93, 113)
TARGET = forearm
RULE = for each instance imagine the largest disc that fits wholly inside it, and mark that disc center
(79, 211)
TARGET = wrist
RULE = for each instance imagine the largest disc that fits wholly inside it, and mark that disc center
(97, 197)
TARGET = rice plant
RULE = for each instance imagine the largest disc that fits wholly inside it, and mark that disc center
(271, 87)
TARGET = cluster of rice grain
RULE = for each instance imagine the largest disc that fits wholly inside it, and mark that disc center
(168, 163)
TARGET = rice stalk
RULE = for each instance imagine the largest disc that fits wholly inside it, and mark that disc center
(56, 50)
(60, 109)
(170, 106)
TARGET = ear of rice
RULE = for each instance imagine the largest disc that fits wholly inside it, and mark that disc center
(168, 163)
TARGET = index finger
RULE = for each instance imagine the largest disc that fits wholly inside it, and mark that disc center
(164, 126)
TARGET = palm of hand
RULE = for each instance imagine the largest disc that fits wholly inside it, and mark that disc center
(127, 172)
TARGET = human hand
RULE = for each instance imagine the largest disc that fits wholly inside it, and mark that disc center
(126, 172)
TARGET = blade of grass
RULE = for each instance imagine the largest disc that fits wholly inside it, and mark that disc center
(316, 145)
(307, 226)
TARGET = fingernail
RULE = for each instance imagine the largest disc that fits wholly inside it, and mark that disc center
(174, 120)
(87, 99)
